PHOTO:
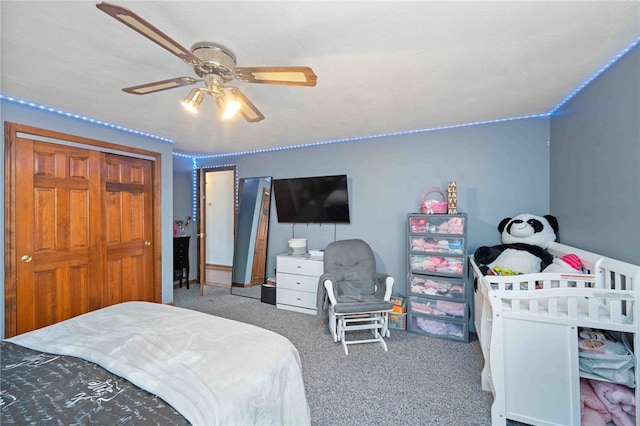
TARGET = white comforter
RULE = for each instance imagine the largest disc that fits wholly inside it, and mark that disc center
(212, 370)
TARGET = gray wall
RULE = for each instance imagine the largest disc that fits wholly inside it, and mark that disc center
(595, 164)
(48, 120)
(502, 169)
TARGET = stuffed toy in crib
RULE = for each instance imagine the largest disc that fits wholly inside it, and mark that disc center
(525, 239)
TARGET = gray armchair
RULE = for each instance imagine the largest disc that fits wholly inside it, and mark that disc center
(352, 294)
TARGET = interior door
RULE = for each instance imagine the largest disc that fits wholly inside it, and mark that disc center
(128, 229)
(57, 228)
(202, 229)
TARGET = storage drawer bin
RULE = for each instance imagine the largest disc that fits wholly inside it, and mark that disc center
(437, 281)
(444, 245)
(441, 308)
(445, 288)
(437, 224)
(429, 326)
(442, 265)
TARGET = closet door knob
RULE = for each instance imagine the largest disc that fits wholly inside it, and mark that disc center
(26, 258)
(147, 243)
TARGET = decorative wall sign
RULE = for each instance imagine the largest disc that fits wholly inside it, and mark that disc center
(452, 197)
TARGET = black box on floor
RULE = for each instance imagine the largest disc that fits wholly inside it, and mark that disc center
(268, 294)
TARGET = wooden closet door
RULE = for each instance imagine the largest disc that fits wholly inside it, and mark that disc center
(57, 198)
(128, 230)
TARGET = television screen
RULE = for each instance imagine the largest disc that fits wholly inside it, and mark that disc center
(321, 199)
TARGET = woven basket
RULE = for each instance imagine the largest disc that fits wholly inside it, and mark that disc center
(433, 206)
(397, 321)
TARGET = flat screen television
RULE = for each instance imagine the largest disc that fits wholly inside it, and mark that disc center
(320, 199)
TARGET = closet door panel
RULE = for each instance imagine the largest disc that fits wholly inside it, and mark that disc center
(79, 217)
(80, 228)
(44, 204)
(129, 220)
(59, 294)
(53, 231)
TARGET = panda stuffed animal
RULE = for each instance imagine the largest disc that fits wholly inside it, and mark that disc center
(525, 239)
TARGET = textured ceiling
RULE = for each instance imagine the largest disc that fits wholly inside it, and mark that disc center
(382, 67)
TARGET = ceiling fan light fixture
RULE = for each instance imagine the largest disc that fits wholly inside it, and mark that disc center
(214, 64)
(228, 103)
(193, 101)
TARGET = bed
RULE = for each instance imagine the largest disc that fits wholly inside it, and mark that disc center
(528, 327)
(140, 361)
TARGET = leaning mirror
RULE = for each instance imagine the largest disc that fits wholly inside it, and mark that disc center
(252, 228)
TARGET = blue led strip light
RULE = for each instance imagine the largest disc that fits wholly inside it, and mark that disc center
(381, 135)
(594, 76)
(177, 154)
(194, 184)
(83, 118)
(194, 201)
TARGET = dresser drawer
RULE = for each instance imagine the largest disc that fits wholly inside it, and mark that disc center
(297, 282)
(300, 265)
(302, 299)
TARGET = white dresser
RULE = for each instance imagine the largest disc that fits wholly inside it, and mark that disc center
(297, 282)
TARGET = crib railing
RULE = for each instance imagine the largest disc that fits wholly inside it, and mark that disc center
(541, 281)
(620, 277)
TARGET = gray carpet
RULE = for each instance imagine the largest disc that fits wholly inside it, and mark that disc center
(419, 381)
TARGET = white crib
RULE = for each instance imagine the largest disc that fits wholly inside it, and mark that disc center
(529, 335)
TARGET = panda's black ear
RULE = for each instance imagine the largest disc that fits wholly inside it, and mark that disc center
(503, 224)
(553, 222)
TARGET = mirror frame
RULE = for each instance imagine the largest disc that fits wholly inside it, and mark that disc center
(251, 234)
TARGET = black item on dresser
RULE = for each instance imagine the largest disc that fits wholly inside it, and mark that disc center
(181, 259)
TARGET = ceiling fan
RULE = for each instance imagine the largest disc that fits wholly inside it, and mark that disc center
(215, 65)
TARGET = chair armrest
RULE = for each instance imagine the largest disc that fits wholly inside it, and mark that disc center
(325, 295)
(384, 282)
(328, 285)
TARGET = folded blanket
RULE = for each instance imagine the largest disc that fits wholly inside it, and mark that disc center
(619, 400)
(593, 412)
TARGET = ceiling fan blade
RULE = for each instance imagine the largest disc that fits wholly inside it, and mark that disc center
(247, 110)
(158, 86)
(292, 76)
(132, 20)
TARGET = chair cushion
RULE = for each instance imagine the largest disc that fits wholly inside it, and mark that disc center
(352, 264)
(348, 305)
